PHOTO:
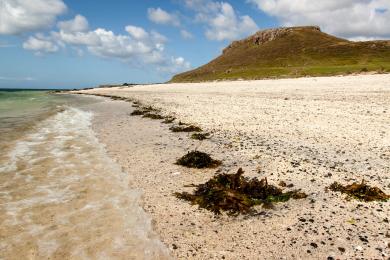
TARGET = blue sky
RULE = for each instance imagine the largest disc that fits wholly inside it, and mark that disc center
(73, 43)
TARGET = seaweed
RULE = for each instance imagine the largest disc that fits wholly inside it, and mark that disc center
(138, 112)
(196, 159)
(168, 120)
(360, 191)
(200, 136)
(150, 109)
(153, 116)
(236, 194)
(185, 128)
(117, 98)
(146, 112)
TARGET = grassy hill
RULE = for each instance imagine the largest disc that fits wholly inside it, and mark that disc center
(292, 52)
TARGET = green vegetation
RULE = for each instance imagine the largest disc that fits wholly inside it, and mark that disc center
(236, 194)
(361, 191)
(292, 52)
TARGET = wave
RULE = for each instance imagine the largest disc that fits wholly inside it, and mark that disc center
(63, 197)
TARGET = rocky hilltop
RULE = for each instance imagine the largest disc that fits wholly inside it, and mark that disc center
(292, 52)
(262, 37)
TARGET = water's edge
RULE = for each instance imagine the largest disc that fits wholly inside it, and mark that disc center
(62, 196)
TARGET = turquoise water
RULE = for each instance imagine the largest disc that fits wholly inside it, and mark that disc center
(20, 110)
(61, 196)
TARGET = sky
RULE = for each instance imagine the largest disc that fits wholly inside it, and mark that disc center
(75, 44)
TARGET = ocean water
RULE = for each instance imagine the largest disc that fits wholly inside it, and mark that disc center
(61, 196)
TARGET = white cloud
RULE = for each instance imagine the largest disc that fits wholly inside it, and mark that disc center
(347, 18)
(176, 65)
(222, 21)
(40, 45)
(363, 39)
(138, 46)
(78, 24)
(137, 32)
(76, 38)
(18, 16)
(159, 16)
(186, 34)
(180, 62)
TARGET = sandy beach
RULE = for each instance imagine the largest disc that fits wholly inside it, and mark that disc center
(308, 132)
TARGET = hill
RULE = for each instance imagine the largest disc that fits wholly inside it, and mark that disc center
(292, 52)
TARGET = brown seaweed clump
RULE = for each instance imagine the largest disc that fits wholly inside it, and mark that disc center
(150, 109)
(196, 159)
(168, 120)
(144, 111)
(138, 112)
(200, 136)
(118, 98)
(153, 116)
(185, 128)
(360, 191)
(236, 194)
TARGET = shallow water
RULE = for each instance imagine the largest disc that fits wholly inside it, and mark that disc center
(62, 197)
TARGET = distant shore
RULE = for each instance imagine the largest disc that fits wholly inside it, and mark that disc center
(308, 132)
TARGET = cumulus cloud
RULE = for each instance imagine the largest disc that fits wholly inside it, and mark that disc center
(181, 62)
(159, 16)
(78, 24)
(175, 65)
(137, 32)
(138, 46)
(19, 16)
(221, 20)
(40, 44)
(356, 19)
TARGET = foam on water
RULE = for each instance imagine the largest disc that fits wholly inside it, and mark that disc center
(62, 197)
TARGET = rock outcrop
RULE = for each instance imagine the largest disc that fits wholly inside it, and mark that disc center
(264, 36)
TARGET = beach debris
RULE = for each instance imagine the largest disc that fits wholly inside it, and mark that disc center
(138, 112)
(118, 98)
(150, 109)
(360, 191)
(168, 120)
(236, 194)
(200, 136)
(145, 111)
(282, 184)
(154, 116)
(196, 159)
(185, 128)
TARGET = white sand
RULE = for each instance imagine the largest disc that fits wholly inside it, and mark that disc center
(309, 132)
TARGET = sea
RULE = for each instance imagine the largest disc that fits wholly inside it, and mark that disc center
(61, 196)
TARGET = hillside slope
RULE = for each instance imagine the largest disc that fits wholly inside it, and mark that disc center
(292, 52)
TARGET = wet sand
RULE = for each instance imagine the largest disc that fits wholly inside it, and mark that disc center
(309, 132)
(61, 197)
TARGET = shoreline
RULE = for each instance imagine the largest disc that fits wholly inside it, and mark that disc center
(301, 135)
